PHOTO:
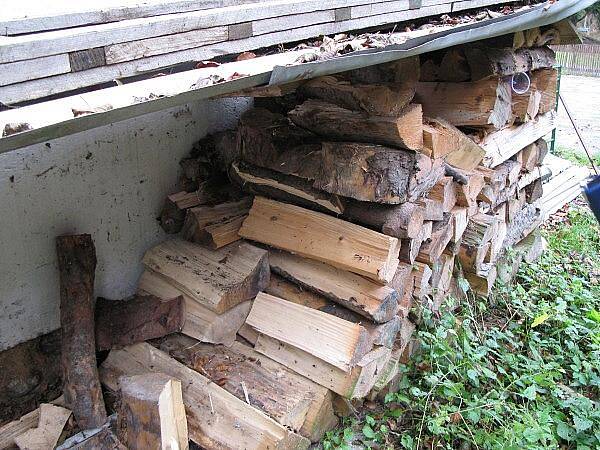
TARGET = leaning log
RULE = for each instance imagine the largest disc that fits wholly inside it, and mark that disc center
(81, 385)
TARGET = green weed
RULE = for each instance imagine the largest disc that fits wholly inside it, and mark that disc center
(520, 371)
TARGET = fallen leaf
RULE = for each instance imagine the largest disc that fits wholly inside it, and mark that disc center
(244, 56)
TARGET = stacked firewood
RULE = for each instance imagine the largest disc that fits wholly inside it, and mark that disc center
(308, 234)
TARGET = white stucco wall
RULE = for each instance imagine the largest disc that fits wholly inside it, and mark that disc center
(110, 182)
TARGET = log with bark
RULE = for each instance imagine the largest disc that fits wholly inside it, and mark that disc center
(81, 385)
(403, 130)
(124, 322)
(487, 62)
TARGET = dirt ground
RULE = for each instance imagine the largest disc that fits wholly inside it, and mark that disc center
(582, 95)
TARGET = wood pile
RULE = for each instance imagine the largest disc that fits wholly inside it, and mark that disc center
(368, 192)
(308, 234)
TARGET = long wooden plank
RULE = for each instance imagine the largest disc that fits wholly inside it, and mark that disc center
(369, 299)
(322, 237)
(61, 41)
(127, 51)
(217, 279)
(216, 418)
(329, 338)
(51, 85)
(20, 71)
(33, 17)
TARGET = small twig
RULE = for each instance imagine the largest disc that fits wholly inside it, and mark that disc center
(245, 392)
(212, 409)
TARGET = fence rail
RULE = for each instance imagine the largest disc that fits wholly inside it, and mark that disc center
(582, 59)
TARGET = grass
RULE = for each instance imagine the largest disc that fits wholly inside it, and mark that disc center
(518, 371)
(577, 157)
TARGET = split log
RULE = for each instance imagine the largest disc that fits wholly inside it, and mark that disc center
(441, 273)
(443, 191)
(497, 240)
(200, 322)
(81, 386)
(432, 209)
(369, 172)
(363, 296)
(173, 213)
(480, 229)
(459, 219)
(441, 234)
(402, 281)
(269, 140)
(401, 221)
(286, 188)
(454, 67)
(52, 420)
(503, 144)
(466, 194)
(410, 248)
(384, 99)
(217, 279)
(482, 283)
(473, 104)
(445, 140)
(331, 339)
(533, 155)
(542, 95)
(354, 384)
(124, 322)
(500, 62)
(405, 70)
(403, 130)
(534, 191)
(422, 274)
(215, 418)
(200, 217)
(380, 334)
(151, 413)
(219, 235)
(333, 241)
(472, 257)
(522, 225)
(267, 385)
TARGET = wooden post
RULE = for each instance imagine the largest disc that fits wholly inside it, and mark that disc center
(81, 385)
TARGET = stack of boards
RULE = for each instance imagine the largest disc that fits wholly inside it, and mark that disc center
(352, 199)
(79, 45)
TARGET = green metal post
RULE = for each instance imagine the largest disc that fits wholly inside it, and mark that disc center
(558, 68)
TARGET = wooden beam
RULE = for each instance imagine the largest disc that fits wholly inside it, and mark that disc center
(216, 418)
(124, 322)
(81, 385)
(331, 339)
(333, 241)
(151, 412)
(243, 271)
(363, 296)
